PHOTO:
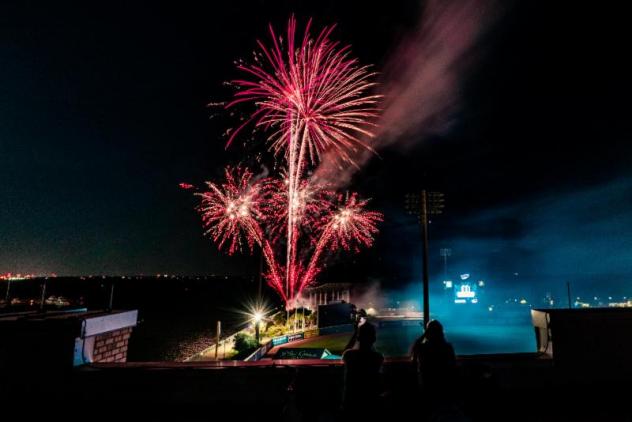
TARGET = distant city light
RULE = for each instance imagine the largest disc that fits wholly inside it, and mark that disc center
(448, 284)
(16, 277)
(465, 276)
(481, 283)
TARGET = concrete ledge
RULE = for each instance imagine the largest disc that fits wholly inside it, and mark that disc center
(99, 324)
(51, 342)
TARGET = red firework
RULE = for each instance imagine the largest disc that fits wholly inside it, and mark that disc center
(311, 91)
(243, 211)
(348, 226)
(351, 226)
(231, 210)
(232, 215)
(307, 207)
(312, 97)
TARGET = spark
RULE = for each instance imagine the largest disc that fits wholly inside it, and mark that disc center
(232, 216)
(311, 96)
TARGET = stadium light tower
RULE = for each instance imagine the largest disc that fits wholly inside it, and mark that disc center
(423, 205)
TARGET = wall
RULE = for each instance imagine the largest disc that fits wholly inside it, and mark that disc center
(111, 346)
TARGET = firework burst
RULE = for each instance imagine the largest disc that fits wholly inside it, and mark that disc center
(242, 212)
(348, 225)
(231, 210)
(306, 208)
(312, 97)
(232, 214)
(311, 94)
(351, 226)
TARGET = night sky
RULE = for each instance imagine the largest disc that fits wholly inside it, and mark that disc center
(103, 113)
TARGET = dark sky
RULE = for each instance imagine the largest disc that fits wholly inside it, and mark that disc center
(103, 112)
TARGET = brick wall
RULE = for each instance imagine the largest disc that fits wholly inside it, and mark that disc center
(111, 346)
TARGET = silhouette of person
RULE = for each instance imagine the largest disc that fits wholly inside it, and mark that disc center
(435, 359)
(358, 320)
(363, 365)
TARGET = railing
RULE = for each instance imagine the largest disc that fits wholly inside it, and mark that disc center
(260, 352)
(237, 363)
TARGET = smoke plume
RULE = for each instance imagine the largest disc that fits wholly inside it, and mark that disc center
(422, 80)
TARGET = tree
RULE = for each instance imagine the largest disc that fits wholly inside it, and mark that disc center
(244, 342)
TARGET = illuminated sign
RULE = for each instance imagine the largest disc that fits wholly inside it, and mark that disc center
(465, 292)
(295, 337)
(302, 353)
(287, 339)
(279, 340)
(448, 284)
(465, 276)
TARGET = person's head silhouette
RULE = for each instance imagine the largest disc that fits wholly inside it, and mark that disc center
(434, 331)
(366, 335)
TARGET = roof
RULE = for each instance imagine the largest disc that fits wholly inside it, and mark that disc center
(329, 287)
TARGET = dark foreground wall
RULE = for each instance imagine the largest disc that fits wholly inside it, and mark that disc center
(38, 384)
(582, 340)
(512, 387)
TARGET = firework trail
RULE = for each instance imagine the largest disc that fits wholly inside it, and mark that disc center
(312, 96)
(308, 205)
